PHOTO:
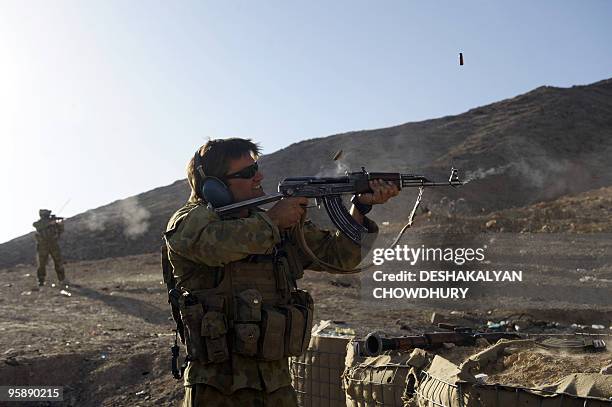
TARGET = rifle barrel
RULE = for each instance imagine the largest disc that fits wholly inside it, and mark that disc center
(427, 183)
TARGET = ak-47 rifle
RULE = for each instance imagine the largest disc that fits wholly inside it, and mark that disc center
(328, 190)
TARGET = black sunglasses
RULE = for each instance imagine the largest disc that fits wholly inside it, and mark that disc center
(245, 173)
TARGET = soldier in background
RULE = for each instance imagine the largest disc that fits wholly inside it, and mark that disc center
(48, 231)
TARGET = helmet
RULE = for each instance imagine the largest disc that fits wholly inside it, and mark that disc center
(44, 213)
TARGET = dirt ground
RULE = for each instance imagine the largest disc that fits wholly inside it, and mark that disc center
(106, 339)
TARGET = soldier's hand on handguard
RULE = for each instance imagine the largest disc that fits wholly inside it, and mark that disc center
(382, 192)
(287, 212)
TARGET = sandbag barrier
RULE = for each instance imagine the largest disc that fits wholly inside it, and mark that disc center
(417, 380)
(432, 391)
(497, 395)
(376, 385)
(375, 381)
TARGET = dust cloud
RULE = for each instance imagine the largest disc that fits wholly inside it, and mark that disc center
(132, 218)
(96, 221)
(135, 218)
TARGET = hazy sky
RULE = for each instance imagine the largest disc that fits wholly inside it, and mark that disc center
(101, 100)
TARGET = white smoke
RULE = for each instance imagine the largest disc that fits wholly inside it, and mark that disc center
(480, 173)
(135, 218)
(544, 173)
(340, 167)
(96, 221)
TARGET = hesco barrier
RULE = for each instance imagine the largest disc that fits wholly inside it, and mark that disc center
(444, 384)
(380, 380)
(381, 383)
(439, 384)
(435, 392)
(420, 379)
(316, 375)
(425, 380)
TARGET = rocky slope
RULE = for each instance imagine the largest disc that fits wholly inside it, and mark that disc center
(535, 147)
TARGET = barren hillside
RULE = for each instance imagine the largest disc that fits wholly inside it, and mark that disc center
(586, 212)
(535, 147)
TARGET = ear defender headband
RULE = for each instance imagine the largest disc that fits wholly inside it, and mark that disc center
(211, 189)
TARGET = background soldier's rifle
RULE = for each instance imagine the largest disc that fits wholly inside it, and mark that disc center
(50, 221)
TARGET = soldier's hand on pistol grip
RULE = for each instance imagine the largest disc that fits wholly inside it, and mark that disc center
(288, 211)
(382, 191)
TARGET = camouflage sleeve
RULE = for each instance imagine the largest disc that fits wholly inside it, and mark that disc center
(334, 247)
(37, 225)
(204, 238)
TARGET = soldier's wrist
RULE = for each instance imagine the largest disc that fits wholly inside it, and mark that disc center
(363, 209)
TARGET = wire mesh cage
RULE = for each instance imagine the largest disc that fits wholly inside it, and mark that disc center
(316, 375)
(376, 386)
(333, 372)
(375, 381)
(433, 391)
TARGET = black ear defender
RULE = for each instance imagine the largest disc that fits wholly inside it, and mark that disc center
(211, 189)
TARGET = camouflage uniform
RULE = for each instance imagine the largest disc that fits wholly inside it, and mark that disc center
(203, 395)
(48, 231)
(199, 245)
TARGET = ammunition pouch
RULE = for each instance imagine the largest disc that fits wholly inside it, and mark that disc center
(304, 303)
(248, 306)
(246, 338)
(213, 331)
(271, 343)
(192, 316)
(205, 328)
(253, 311)
(285, 329)
(294, 330)
(266, 332)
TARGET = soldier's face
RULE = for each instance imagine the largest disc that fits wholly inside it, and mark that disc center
(244, 188)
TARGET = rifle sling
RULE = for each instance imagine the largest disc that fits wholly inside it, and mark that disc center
(330, 268)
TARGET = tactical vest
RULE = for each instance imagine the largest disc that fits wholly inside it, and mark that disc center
(47, 229)
(255, 310)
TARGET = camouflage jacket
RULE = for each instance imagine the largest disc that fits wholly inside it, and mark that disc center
(48, 229)
(200, 243)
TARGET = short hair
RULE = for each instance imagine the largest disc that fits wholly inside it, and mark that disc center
(215, 156)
